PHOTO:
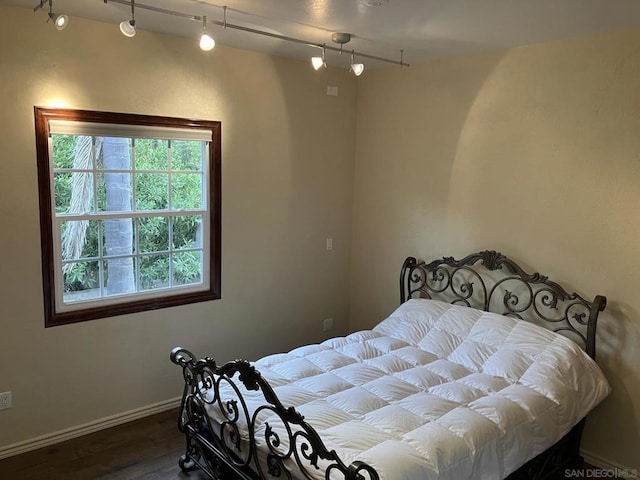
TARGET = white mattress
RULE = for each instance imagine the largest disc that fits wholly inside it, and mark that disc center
(437, 391)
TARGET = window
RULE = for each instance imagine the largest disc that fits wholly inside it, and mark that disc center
(130, 210)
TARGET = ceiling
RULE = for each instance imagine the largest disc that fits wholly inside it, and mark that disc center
(424, 29)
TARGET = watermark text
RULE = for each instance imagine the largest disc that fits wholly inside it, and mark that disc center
(600, 473)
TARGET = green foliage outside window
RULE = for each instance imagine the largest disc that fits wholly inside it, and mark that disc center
(151, 184)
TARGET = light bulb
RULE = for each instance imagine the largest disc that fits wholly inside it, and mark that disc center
(206, 42)
(317, 62)
(128, 28)
(357, 68)
(61, 22)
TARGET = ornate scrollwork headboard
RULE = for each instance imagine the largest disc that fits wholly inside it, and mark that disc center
(492, 282)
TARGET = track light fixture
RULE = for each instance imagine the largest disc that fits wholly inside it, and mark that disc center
(356, 68)
(318, 62)
(128, 27)
(206, 42)
(60, 21)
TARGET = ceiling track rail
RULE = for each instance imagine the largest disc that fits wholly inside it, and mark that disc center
(254, 31)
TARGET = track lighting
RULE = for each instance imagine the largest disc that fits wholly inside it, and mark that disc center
(318, 62)
(60, 21)
(356, 68)
(206, 42)
(128, 27)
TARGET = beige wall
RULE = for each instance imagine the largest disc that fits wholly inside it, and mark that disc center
(534, 152)
(287, 177)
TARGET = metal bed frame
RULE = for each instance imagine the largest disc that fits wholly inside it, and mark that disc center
(486, 280)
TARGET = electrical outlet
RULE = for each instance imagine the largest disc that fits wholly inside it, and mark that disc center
(5, 400)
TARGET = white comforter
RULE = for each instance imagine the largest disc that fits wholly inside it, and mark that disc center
(437, 391)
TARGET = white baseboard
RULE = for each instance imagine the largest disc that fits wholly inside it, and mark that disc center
(623, 471)
(86, 428)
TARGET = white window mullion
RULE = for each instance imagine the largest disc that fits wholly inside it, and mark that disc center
(67, 217)
(101, 272)
(136, 255)
(135, 220)
(169, 179)
(171, 219)
(170, 222)
(57, 247)
(56, 235)
(206, 217)
(134, 176)
(94, 171)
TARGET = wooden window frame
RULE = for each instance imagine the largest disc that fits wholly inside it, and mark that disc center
(53, 317)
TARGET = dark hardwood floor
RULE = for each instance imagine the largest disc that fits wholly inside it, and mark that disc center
(144, 449)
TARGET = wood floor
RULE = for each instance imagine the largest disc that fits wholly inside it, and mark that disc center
(145, 449)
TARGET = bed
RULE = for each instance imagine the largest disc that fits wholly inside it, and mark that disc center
(484, 371)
